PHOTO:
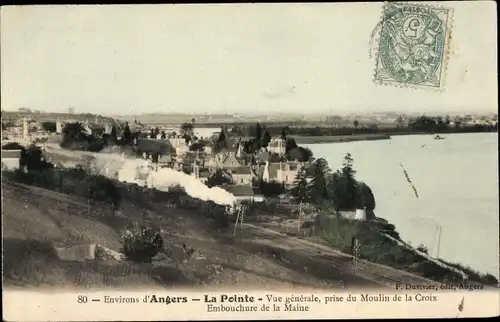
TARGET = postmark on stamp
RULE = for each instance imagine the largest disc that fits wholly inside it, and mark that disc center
(413, 45)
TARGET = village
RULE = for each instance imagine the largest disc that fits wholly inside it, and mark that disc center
(238, 169)
(284, 188)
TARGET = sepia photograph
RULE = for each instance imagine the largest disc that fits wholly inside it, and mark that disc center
(328, 151)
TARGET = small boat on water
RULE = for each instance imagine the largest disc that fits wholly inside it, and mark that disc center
(437, 137)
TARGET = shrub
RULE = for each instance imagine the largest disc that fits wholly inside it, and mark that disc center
(423, 249)
(433, 271)
(221, 219)
(142, 245)
(270, 189)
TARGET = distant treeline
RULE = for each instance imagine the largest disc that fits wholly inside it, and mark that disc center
(422, 124)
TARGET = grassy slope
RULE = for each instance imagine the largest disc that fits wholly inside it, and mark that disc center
(32, 223)
(34, 219)
(377, 248)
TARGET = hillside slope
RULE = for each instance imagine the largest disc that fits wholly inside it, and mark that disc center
(35, 220)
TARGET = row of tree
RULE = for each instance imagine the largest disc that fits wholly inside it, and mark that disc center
(76, 137)
(421, 124)
(338, 189)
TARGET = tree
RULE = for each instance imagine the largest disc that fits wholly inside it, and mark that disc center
(283, 134)
(187, 129)
(127, 135)
(248, 146)
(320, 172)
(113, 133)
(275, 157)
(365, 198)
(237, 130)
(49, 126)
(219, 178)
(197, 146)
(290, 144)
(142, 245)
(258, 133)
(31, 157)
(271, 189)
(12, 146)
(399, 121)
(72, 133)
(299, 154)
(300, 190)
(221, 142)
(75, 137)
(343, 187)
(355, 123)
(266, 138)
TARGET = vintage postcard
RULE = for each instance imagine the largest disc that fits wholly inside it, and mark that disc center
(250, 161)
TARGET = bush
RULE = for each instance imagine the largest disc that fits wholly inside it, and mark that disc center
(435, 272)
(423, 249)
(142, 245)
(270, 189)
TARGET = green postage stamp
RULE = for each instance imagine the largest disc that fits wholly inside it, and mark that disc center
(413, 45)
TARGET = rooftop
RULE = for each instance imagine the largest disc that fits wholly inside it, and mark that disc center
(151, 146)
(241, 170)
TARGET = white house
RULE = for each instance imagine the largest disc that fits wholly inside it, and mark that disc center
(358, 214)
(282, 172)
(277, 145)
(180, 145)
(10, 159)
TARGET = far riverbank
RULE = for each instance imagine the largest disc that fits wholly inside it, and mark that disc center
(339, 138)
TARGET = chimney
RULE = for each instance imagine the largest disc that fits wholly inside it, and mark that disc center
(265, 175)
(196, 171)
(58, 126)
(25, 128)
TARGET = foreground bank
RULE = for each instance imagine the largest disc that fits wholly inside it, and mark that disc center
(197, 252)
(379, 243)
(328, 228)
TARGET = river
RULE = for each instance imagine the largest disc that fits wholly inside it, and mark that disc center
(457, 182)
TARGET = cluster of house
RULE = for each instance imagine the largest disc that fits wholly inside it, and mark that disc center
(242, 169)
(24, 131)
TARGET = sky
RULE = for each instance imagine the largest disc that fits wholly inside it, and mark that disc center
(253, 58)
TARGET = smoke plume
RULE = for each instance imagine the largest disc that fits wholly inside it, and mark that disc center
(108, 164)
